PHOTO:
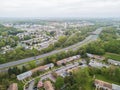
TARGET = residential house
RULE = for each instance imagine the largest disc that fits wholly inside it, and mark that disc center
(64, 61)
(97, 64)
(72, 69)
(40, 84)
(13, 86)
(29, 73)
(97, 57)
(42, 68)
(105, 85)
(114, 62)
(24, 75)
(48, 85)
(102, 85)
(115, 87)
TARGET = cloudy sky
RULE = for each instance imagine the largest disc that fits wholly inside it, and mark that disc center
(59, 8)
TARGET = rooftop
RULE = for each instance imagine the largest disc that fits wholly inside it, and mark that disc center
(48, 85)
(13, 87)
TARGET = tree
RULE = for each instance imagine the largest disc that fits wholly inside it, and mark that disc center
(70, 79)
(62, 39)
(9, 72)
(87, 60)
(24, 69)
(2, 44)
(81, 73)
(52, 33)
(59, 83)
(4, 34)
(16, 70)
(32, 65)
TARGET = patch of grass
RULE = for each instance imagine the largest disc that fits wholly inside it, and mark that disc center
(89, 84)
(112, 56)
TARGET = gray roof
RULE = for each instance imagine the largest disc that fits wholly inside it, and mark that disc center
(24, 75)
(115, 87)
(114, 62)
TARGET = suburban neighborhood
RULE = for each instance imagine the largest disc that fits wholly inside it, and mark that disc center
(59, 45)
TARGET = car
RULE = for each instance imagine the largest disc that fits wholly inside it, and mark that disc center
(35, 88)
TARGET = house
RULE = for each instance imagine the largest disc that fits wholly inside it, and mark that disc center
(42, 68)
(48, 66)
(40, 84)
(13, 86)
(72, 69)
(29, 73)
(63, 70)
(61, 62)
(24, 75)
(76, 57)
(105, 85)
(48, 85)
(102, 85)
(64, 61)
(97, 64)
(114, 62)
(95, 56)
(115, 87)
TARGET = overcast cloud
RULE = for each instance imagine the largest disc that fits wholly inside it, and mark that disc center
(59, 8)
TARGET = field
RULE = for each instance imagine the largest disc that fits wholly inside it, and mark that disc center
(112, 56)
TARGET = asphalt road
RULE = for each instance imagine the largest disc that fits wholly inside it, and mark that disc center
(31, 85)
(75, 46)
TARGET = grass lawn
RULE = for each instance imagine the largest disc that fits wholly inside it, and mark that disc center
(89, 84)
(112, 56)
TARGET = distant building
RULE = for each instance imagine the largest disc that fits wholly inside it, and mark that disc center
(48, 85)
(13, 87)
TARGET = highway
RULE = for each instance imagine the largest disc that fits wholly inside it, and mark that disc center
(88, 39)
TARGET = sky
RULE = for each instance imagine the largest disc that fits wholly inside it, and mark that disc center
(59, 8)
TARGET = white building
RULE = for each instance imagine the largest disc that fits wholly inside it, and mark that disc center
(94, 63)
(24, 75)
(110, 61)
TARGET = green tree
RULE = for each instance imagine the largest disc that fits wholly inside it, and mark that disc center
(59, 83)
(24, 69)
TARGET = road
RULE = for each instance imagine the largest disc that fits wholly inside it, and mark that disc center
(31, 85)
(74, 47)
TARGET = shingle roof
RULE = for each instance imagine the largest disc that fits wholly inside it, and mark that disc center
(13, 87)
(103, 84)
(115, 87)
(48, 85)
